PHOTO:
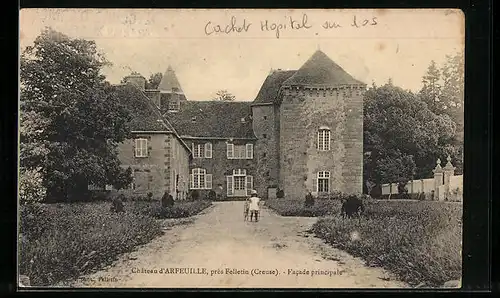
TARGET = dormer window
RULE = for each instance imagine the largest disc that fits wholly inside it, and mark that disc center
(173, 106)
(243, 120)
(193, 119)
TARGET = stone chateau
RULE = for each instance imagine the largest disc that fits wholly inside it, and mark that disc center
(303, 132)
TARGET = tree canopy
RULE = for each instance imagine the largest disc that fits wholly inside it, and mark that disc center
(402, 137)
(224, 95)
(70, 121)
(154, 81)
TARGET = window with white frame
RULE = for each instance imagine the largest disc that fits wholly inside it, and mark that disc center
(208, 150)
(239, 183)
(239, 151)
(202, 150)
(323, 182)
(173, 105)
(200, 179)
(324, 139)
(141, 147)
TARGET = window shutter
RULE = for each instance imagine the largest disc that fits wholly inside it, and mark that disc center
(208, 150)
(249, 151)
(315, 184)
(147, 147)
(318, 141)
(328, 140)
(208, 181)
(249, 181)
(230, 151)
(191, 181)
(229, 185)
(137, 147)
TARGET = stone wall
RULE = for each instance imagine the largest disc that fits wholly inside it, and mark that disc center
(266, 151)
(219, 165)
(179, 169)
(152, 173)
(302, 113)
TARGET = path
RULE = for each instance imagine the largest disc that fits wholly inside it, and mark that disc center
(220, 239)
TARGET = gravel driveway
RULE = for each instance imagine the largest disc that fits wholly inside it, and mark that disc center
(218, 249)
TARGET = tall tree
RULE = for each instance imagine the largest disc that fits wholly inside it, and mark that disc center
(154, 81)
(453, 89)
(224, 95)
(431, 90)
(402, 137)
(74, 113)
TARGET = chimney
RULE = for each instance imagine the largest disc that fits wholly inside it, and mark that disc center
(137, 80)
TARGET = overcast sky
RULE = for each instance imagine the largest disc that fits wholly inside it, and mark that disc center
(397, 44)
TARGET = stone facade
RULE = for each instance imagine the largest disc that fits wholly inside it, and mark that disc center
(157, 172)
(303, 113)
(281, 125)
(218, 165)
(266, 128)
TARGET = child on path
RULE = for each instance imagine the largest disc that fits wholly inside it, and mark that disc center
(253, 202)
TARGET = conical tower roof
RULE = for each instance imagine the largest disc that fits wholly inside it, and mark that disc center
(169, 82)
(320, 70)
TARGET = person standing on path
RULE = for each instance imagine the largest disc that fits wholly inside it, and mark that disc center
(254, 201)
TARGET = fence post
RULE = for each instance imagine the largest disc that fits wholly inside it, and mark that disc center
(438, 179)
(448, 172)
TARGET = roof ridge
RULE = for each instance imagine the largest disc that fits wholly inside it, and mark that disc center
(320, 69)
(162, 117)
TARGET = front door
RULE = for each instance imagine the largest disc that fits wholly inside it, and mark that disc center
(240, 189)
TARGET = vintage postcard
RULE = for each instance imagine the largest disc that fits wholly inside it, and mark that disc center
(247, 148)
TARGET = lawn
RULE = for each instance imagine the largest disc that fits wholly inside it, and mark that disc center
(64, 241)
(419, 241)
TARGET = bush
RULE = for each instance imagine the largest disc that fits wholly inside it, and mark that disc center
(61, 241)
(309, 201)
(180, 210)
(419, 241)
(194, 195)
(31, 189)
(296, 207)
(280, 194)
(212, 195)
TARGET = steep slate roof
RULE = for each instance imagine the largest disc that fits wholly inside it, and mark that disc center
(144, 114)
(218, 119)
(169, 81)
(271, 86)
(320, 70)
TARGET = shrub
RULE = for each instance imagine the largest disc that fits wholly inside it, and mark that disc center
(280, 194)
(419, 241)
(194, 195)
(309, 201)
(180, 210)
(31, 189)
(296, 207)
(167, 201)
(212, 195)
(61, 241)
(150, 196)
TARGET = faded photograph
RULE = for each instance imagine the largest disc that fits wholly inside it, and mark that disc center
(240, 148)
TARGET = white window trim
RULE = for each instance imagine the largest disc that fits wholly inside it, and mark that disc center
(324, 139)
(247, 151)
(208, 150)
(173, 105)
(198, 148)
(230, 182)
(141, 147)
(207, 179)
(323, 175)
